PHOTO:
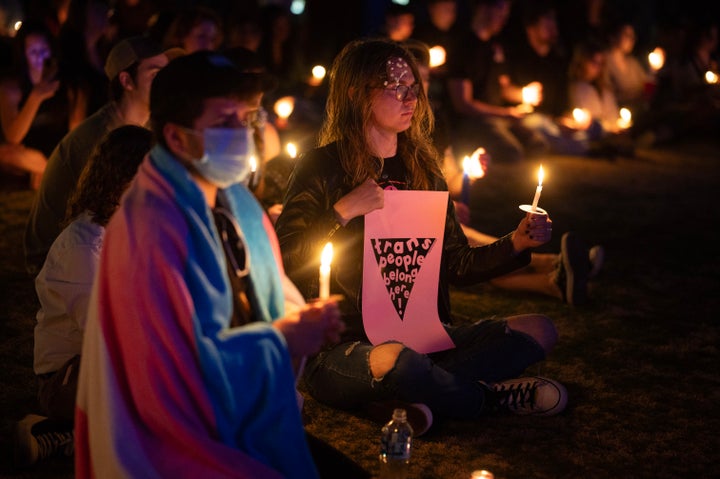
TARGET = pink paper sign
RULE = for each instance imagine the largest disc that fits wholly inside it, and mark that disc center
(401, 265)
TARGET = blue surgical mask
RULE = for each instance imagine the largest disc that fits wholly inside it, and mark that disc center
(226, 160)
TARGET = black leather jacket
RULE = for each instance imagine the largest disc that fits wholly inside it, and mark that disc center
(308, 222)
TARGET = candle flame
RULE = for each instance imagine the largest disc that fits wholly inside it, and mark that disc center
(253, 163)
(437, 56)
(284, 106)
(327, 255)
(531, 94)
(711, 77)
(291, 150)
(473, 166)
(541, 175)
(319, 71)
(656, 59)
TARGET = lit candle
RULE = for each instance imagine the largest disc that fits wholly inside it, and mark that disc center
(465, 192)
(478, 163)
(538, 190)
(437, 56)
(531, 94)
(625, 119)
(318, 73)
(581, 117)
(325, 260)
(711, 77)
(656, 59)
(253, 169)
(291, 150)
(284, 107)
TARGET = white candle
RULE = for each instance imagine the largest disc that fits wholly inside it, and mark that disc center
(538, 190)
(325, 260)
(253, 169)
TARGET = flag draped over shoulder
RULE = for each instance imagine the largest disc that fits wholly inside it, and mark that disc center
(167, 389)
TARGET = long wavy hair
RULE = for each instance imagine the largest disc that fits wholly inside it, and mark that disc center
(108, 173)
(356, 75)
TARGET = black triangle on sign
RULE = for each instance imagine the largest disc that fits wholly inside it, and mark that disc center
(399, 261)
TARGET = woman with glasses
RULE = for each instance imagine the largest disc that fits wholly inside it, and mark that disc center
(377, 136)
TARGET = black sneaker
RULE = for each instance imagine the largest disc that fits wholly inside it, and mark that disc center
(574, 269)
(38, 438)
(530, 396)
(418, 415)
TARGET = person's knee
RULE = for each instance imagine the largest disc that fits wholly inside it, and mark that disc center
(537, 326)
(383, 358)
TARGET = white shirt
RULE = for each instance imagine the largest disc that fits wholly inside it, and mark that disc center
(63, 288)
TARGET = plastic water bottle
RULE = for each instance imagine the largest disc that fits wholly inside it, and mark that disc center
(395, 446)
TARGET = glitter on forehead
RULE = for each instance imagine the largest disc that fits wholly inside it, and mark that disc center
(397, 68)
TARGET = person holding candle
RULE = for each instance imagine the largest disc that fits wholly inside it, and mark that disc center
(190, 290)
(374, 87)
(630, 81)
(476, 111)
(589, 90)
(537, 56)
(684, 102)
(562, 275)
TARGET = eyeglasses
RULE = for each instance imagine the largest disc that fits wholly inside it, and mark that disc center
(233, 242)
(402, 91)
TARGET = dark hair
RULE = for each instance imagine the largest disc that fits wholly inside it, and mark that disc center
(534, 10)
(185, 20)
(180, 89)
(584, 51)
(108, 172)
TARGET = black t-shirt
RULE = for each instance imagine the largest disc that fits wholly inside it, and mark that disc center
(393, 175)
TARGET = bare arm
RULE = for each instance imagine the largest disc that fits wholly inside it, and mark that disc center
(16, 121)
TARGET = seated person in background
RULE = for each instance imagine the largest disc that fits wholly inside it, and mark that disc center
(203, 308)
(377, 135)
(687, 98)
(63, 288)
(195, 28)
(34, 102)
(131, 66)
(628, 79)
(538, 58)
(564, 275)
(478, 114)
(590, 91)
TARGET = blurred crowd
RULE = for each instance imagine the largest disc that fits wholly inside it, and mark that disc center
(518, 77)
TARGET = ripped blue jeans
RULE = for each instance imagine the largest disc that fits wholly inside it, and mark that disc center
(446, 381)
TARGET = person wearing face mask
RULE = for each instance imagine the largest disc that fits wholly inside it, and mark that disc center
(194, 331)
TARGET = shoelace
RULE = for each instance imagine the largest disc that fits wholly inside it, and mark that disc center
(517, 396)
(50, 443)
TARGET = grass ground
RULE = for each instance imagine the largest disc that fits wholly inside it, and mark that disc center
(640, 361)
